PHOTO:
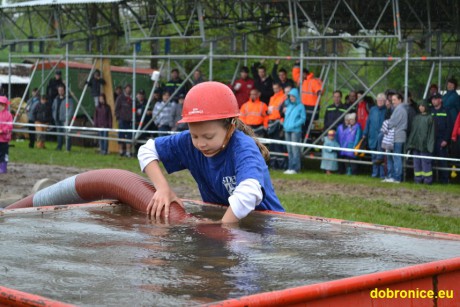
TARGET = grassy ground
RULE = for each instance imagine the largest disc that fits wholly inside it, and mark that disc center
(298, 193)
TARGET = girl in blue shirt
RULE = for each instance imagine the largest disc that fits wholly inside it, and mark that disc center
(221, 153)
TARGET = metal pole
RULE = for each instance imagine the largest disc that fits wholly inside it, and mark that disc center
(397, 19)
(235, 73)
(148, 105)
(245, 49)
(83, 93)
(134, 96)
(301, 70)
(42, 92)
(176, 91)
(9, 76)
(291, 22)
(317, 103)
(428, 82)
(211, 51)
(49, 73)
(357, 77)
(25, 92)
(406, 74)
(66, 95)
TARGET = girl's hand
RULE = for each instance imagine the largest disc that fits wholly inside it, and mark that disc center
(162, 199)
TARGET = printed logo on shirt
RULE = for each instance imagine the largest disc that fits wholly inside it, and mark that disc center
(230, 183)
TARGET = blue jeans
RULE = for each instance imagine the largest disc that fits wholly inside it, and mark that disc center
(60, 138)
(378, 170)
(125, 125)
(103, 144)
(293, 151)
(395, 163)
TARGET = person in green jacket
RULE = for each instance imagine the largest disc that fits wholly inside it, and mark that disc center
(421, 143)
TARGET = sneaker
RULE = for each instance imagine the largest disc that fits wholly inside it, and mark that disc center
(290, 172)
(390, 180)
(128, 155)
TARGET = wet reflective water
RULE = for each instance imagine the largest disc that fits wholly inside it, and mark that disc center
(115, 257)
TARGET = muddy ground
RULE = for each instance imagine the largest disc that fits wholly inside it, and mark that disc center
(20, 179)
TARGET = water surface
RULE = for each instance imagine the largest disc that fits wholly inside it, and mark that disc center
(116, 257)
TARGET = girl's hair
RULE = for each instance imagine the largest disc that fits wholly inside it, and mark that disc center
(248, 131)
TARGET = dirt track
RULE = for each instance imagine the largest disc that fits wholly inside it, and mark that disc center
(20, 179)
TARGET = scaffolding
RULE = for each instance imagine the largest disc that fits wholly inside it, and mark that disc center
(338, 40)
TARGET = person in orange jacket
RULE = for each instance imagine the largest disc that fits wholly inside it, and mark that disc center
(275, 125)
(254, 113)
(311, 89)
(274, 111)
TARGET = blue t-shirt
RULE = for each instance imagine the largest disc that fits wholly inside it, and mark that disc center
(218, 176)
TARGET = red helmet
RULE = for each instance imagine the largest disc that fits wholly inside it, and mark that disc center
(209, 101)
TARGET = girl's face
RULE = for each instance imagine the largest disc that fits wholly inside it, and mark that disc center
(422, 108)
(208, 137)
(292, 98)
(351, 121)
(101, 99)
(2, 106)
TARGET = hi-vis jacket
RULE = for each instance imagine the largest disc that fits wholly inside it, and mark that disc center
(310, 87)
(254, 113)
(276, 101)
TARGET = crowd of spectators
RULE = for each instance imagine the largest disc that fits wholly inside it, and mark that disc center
(272, 105)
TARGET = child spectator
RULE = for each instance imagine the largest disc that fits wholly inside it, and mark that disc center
(348, 137)
(178, 116)
(103, 119)
(164, 113)
(388, 139)
(6, 126)
(294, 118)
(228, 165)
(421, 142)
(43, 116)
(31, 104)
(329, 163)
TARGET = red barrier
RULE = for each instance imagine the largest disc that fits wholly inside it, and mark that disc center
(15, 298)
(407, 286)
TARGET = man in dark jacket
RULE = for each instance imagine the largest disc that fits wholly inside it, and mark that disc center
(62, 111)
(124, 115)
(96, 83)
(442, 135)
(280, 76)
(262, 82)
(52, 89)
(173, 84)
(334, 111)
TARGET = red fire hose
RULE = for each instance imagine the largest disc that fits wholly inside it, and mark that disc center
(124, 186)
